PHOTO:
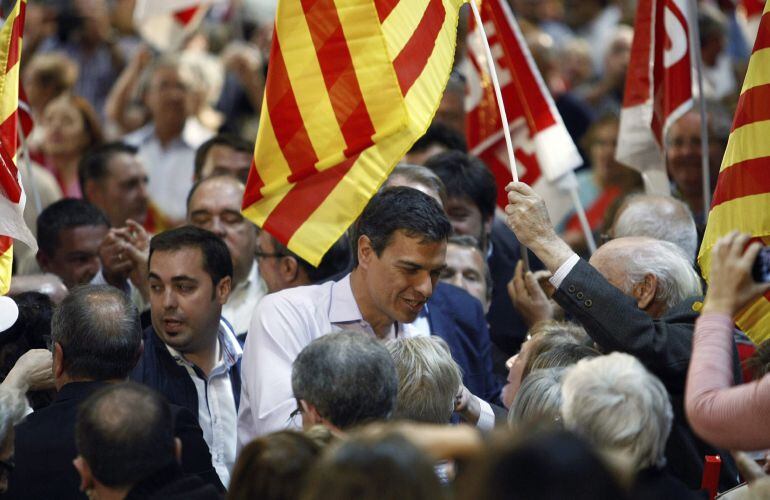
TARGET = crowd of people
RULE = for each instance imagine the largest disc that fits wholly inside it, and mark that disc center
(166, 347)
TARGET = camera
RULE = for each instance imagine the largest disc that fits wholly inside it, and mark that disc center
(761, 269)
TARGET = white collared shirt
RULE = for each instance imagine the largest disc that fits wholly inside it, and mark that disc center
(217, 415)
(243, 300)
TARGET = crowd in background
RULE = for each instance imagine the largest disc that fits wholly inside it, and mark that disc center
(166, 347)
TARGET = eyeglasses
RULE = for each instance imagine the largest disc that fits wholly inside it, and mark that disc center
(265, 255)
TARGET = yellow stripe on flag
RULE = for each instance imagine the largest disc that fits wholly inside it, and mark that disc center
(402, 23)
(746, 143)
(756, 320)
(10, 101)
(758, 72)
(6, 265)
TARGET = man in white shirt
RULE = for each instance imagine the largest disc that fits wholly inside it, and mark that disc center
(215, 204)
(400, 248)
(191, 354)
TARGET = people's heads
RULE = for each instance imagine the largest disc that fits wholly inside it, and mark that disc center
(618, 54)
(31, 330)
(619, 407)
(417, 177)
(214, 204)
(12, 410)
(400, 250)
(96, 335)
(438, 138)
(467, 268)
(660, 217)
(47, 76)
(428, 379)
(69, 233)
(167, 94)
(224, 154)
(599, 141)
(190, 276)
(113, 178)
(538, 400)
(683, 156)
(471, 193)
(344, 379)
(280, 268)
(560, 355)
(368, 467)
(71, 127)
(656, 274)
(124, 434)
(582, 12)
(273, 467)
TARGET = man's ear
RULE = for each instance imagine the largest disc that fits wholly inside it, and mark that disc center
(365, 251)
(645, 291)
(86, 477)
(223, 289)
(92, 192)
(178, 449)
(58, 361)
(289, 267)
(42, 260)
(310, 416)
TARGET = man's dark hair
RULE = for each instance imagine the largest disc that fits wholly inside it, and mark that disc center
(93, 165)
(335, 261)
(126, 433)
(348, 376)
(65, 214)
(465, 176)
(99, 331)
(400, 208)
(233, 141)
(441, 134)
(214, 252)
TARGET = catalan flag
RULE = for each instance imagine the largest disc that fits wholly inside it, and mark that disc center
(11, 192)
(351, 85)
(742, 196)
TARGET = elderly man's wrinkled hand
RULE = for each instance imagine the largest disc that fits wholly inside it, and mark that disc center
(527, 216)
(33, 371)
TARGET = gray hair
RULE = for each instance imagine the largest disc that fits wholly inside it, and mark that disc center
(660, 217)
(418, 174)
(99, 331)
(538, 401)
(348, 376)
(620, 407)
(428, 379)
(13, 406)
(677, 279)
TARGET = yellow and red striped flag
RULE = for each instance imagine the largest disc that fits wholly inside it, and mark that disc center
(351, 85)
(742, 196)
(11, 192)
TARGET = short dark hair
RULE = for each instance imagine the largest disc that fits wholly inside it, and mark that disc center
(99, 331)
(348, 376)
(465, 176)
(444, 135)
(233, 141)
(126, 433)
(215, 255)
(93, 165)
(400, 208)
(65, 214)
(335, 261)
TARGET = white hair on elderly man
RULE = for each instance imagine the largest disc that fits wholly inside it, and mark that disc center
(620, 407)
(538, 400)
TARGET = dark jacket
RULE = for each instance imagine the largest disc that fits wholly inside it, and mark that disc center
(45, 448)
(664, 346)
(172, 483)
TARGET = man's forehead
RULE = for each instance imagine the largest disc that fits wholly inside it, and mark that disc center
(189, 257)
(467, 256)
(217, 194)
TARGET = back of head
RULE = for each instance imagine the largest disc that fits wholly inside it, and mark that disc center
(273, 467)
(442, 135)
(562, 355)
(125, 433)
(215, 255)
(660, 217)
(538, 400)
(620, 407)
(385, 467)
(99, 332)
(417, 175)
(93, 166)
(30, 331)
(65, 214)
(400, 209)
(348, 376)
(335, 261)
(428, 379)
(465, 176)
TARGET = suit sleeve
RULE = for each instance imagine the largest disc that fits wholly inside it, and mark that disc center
(196, 458)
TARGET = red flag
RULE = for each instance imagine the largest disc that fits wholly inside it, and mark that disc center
(166, 24)
(543, 148)
(658, 87)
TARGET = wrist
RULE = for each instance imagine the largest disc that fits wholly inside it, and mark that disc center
(719, 306)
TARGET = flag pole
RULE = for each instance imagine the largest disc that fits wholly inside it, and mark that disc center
(704, 142)
(28, 166)
(581, 214)
(501, 107)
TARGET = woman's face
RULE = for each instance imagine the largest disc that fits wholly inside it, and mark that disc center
(65, 128)
(602, 152)
(515, 370)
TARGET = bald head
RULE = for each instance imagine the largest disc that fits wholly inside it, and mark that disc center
(660, 217)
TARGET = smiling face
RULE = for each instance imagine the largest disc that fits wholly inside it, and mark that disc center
(76, 259)
(184, 303)
(402, 278)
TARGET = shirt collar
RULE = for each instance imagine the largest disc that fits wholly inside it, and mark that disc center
(342, 306)
(229, 348)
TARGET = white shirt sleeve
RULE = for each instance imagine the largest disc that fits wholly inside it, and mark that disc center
(564, 269)
(486, 417)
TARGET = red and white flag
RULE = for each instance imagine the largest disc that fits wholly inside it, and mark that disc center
(166, 24)
(658, 87)
(545, 153)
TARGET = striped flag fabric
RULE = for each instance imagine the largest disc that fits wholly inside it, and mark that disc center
(166, 24)
(351, 85)
(543, 148)
(12, 199)
(742, 197)
(658, 87)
